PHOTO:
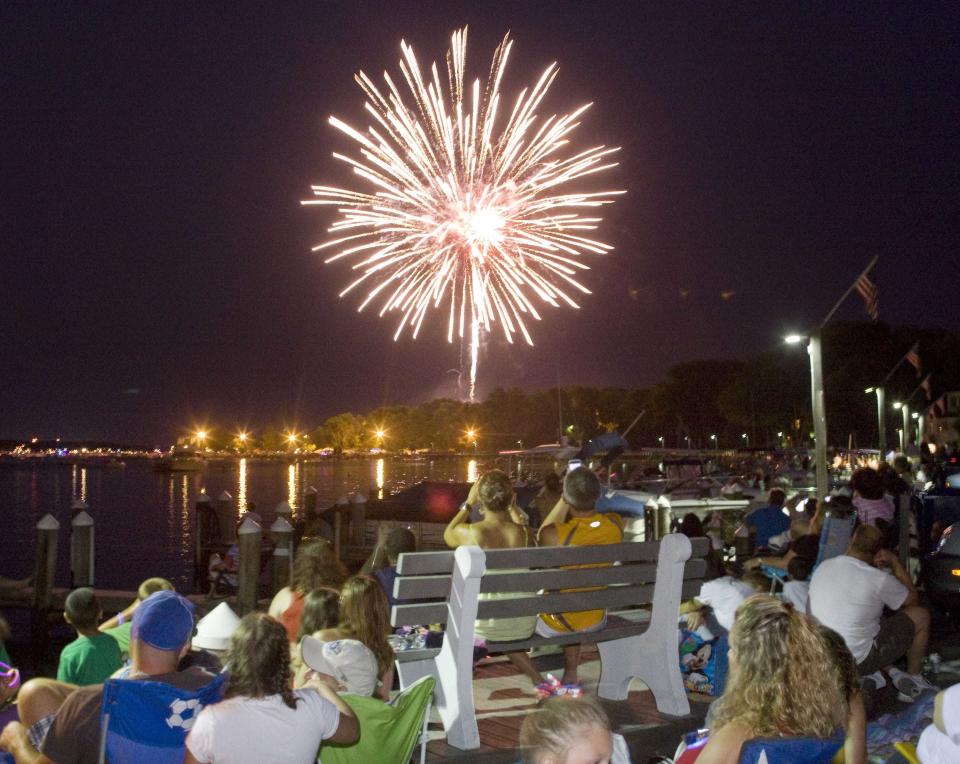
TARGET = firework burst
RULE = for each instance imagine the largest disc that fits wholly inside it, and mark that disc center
(467, 208)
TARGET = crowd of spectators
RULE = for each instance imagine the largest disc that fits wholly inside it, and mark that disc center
(805, 663)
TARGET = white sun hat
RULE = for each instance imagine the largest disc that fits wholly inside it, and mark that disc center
(215, 628)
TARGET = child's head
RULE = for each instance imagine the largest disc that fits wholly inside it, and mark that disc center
(566, 731)
(152, 586)
(799, 568)
(321, 610)
(399, 541)
(82, 609)
(756, 581)
(364, 612)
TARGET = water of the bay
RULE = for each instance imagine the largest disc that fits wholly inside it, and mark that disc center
(144, 518)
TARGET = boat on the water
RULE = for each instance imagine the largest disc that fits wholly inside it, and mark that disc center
(180, 459)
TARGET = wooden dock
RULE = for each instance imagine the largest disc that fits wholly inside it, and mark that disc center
(504, 698)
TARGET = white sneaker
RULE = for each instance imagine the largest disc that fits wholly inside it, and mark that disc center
(876, 679)
(910, 686)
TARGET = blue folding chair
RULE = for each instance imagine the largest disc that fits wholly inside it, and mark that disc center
(147, 722)
(835, 537)
(790, 750)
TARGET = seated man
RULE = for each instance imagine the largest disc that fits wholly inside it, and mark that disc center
(768, 521)
(61, 723)
(848, 594)
(574, 521)
(93, 656)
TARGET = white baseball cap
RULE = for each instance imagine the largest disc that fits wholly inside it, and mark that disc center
(349, 661)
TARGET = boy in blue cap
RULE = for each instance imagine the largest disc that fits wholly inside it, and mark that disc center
(63, 726)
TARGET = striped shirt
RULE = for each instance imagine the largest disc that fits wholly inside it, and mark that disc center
(871, 510)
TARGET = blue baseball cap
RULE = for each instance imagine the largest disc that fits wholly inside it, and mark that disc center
(164, 620)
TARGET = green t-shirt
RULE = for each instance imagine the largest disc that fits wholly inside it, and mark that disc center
(4, 655)
(89, 660)
(121, 633)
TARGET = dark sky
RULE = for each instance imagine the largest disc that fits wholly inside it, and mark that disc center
(157, 269)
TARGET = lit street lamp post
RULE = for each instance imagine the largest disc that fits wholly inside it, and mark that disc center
(881, 417)
(817, 404)
(905, 432)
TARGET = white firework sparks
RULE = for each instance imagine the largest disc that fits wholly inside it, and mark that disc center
(467, 208)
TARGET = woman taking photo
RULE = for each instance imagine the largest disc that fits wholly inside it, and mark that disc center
(497, 530)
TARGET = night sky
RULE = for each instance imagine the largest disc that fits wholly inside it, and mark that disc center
(157, 270)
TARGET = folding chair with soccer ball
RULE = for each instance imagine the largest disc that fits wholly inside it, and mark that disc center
(147, 722)
(790, 750)
(388, 731)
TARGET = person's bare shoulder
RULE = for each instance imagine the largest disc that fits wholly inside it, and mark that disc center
(725, 744)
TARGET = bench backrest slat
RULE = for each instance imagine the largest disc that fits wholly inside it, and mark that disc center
(426, 563)
(431, 587)
(625, 596)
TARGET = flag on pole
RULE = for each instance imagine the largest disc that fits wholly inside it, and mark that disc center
(927, 390)
(871, 299)
(913, 358)
(941, 405)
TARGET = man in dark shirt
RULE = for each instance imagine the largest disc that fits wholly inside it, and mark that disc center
(160, 636)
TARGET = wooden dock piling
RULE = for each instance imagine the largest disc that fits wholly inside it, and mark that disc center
(81, 550)
(248, 537)
(48, 529)
(282, 563)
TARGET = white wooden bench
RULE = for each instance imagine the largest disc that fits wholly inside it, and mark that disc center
(443, 587)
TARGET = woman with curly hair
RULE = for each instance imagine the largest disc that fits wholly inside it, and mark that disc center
(364, 616)
(315, 566)
(784, 681)
(260, 717)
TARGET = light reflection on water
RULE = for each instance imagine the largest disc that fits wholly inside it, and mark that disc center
(293, 472)
(144, 518)
(242, 486)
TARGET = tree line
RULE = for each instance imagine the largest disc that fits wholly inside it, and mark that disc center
(762, 400)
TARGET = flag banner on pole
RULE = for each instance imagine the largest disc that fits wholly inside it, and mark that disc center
(927, 390)
(871, 299)
(913, 358)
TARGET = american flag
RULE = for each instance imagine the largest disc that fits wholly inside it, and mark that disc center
(871, 299)
(927, 389)
(913, 358)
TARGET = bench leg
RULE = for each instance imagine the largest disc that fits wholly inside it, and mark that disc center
(454, 695)
(655, 663)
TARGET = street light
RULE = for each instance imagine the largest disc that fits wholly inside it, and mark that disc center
(746, 438)
(905, 432)
(716, 445)
(660, 440)
(881, 417)
(817, 405)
